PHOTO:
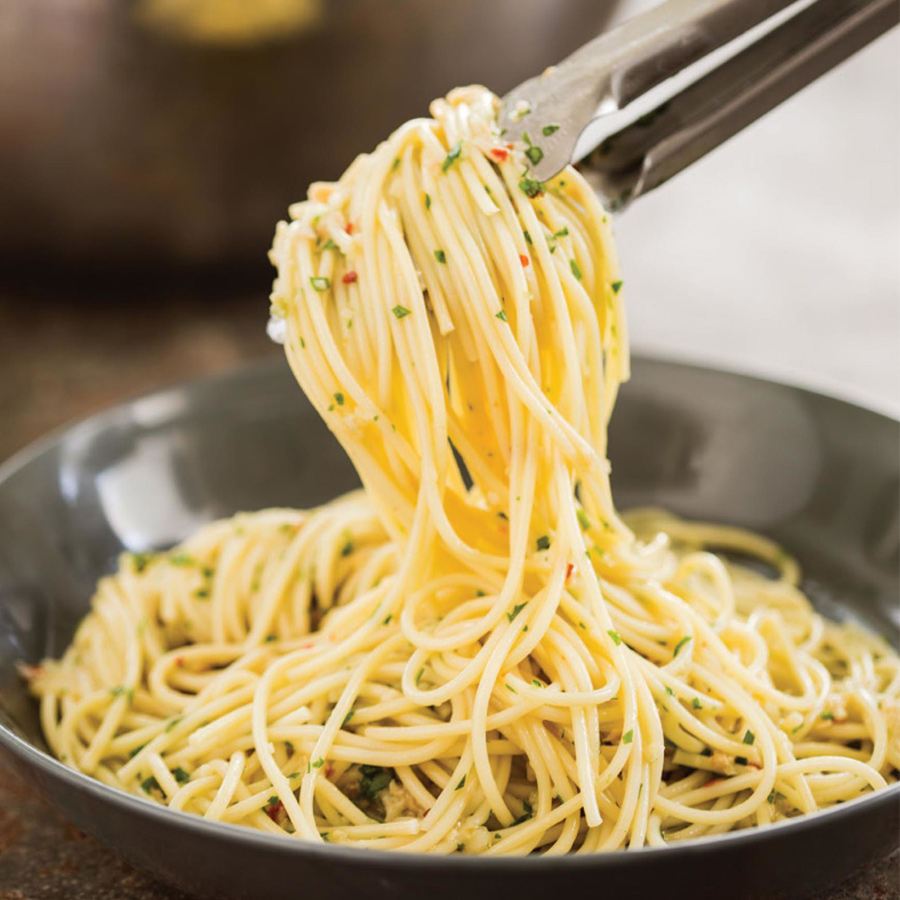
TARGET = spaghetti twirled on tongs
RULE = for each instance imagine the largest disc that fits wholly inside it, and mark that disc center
(475, 653)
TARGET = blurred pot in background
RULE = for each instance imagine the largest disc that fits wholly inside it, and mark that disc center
(176, 132)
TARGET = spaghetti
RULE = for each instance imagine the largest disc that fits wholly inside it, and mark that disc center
(476, 653)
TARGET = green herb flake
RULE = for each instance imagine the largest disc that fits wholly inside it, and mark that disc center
(616, 286)
(269, 638)
(543, 542)
(749, 737)
(395, 164)
(133, 753)
(319, 284)
(547, 130)
(348, 717)
(534, 154)
(451, 157)
(427, 201)
(347, 549)
(695, 702)
(180, 775)
(532, 188)
(318, 763)
(173, 723)
(828, 716)
(516, 610)
(374, 780)
(339, 398)
(680, 644)
(536, 683)
(628, 737)
(440, 256)
(528, 239)
(140, 561)
(419, 675)
(576, 269)
(616, 637)
(330, 245)
(583, 520)
(400, 311)
(150, 784)
(181, 559)
(501, 316)
(462, 783)
(387, 619)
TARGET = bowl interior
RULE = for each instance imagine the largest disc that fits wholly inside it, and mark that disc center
(819, 475)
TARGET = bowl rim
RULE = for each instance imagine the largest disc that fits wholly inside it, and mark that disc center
(34, 758)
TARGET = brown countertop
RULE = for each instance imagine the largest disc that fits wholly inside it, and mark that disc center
(63, 357)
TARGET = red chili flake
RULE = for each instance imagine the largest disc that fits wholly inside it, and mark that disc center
(274, 811)
(509, 146)
(524, 260)
(308, 646)
(329, 770)
(179, 661)
(499, 154)
(349, 228)
(570, 568)
(350, 278)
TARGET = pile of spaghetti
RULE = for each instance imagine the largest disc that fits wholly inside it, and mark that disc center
(475, 653)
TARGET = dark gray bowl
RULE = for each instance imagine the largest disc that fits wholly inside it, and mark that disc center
(816, 473)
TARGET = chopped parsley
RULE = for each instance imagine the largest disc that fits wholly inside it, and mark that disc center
(680, 644)
(547, 130)
(150, 784)
(583, 520)
(180, 775)
(373, 781)
(400, 311)
(516, 610)
(419, 675)
(576, 269)
(319, 284)
(348, 717)
(532, 188)
(695, 702)
(534, 154)
(462, 783)
(173, 723)
(616, 286)
(427, 201)
(501, 316)
(339, 398)
(628, 737)
(543, 542)
(616, 637)
(318, 763)
(452, 156)
(828, 716)
(749, 737)
(395, 164)
(140, 561)
(182, 559)
(440, 256)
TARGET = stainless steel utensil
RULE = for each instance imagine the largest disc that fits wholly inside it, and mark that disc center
(685, 77)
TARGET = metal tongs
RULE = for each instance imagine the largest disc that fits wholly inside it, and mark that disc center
(642, 102)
